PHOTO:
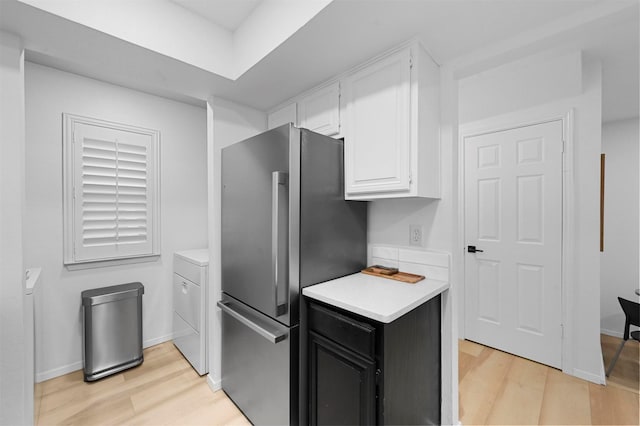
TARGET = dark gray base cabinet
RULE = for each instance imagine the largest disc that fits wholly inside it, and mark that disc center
(344, 390)
(363, 372)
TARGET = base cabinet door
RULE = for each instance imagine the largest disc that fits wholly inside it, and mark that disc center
(342, 385)
(363, 372)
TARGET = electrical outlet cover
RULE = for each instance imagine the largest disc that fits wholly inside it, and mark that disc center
(415, 235)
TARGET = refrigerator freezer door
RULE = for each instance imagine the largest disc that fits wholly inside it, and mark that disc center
(259, 371)
(274, 333)
(255, 204)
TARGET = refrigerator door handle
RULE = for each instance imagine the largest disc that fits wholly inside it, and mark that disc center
(271, 337)
(278, 260)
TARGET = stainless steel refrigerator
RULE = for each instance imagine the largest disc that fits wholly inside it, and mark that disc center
(285, 226)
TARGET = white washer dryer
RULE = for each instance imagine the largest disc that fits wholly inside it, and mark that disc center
(190, 275)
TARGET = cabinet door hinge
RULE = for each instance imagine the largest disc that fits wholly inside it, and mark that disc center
(562, 331)
(410, 61)
(410, 178)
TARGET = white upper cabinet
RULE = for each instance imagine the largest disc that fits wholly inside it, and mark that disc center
(391, 128)
(377, 139)
(284, 115)
(320, 110)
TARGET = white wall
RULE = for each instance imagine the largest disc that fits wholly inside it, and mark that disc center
(619, 261)
(183, 213)
(12, 140)
(533, 80)
(227, 123)
(449, 180)
(582, 353)
(389, 220)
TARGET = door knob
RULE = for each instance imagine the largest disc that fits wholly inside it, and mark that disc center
(473, 249)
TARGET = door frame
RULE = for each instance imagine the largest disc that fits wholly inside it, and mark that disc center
(529, 117)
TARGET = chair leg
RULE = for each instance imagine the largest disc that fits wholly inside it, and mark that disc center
(615, 357)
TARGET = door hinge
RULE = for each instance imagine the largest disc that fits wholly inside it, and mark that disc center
(410, 61)
(562, 331)
(410, 178)
(563, 145)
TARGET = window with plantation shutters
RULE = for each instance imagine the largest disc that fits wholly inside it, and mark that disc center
(111, 191)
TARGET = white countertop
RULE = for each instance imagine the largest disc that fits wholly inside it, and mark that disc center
(199, 257)
(380, 299)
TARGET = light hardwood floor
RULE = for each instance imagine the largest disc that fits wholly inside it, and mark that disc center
(499, 388)
(164, 390)
(495, 388)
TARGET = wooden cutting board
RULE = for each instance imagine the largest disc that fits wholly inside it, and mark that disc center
(404, 277)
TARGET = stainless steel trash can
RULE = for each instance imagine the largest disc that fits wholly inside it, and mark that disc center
(111, 329)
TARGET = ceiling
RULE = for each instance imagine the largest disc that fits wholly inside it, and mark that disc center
(452, 31)
(346, 33)
(229, 14)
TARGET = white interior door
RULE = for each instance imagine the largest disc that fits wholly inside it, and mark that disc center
(513, 216)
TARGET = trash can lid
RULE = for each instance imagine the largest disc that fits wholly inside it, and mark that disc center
(112, 293)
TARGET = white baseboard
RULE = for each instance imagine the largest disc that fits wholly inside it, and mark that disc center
(590, 377)
(157, 340)
(58, 371)
(74, 366)
(213, 384)
(613, 333)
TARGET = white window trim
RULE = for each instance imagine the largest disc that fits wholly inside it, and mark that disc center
(69, 169)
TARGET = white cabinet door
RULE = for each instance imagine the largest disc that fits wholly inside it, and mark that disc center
(284, 115)
(377, 127)
(320, 110)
